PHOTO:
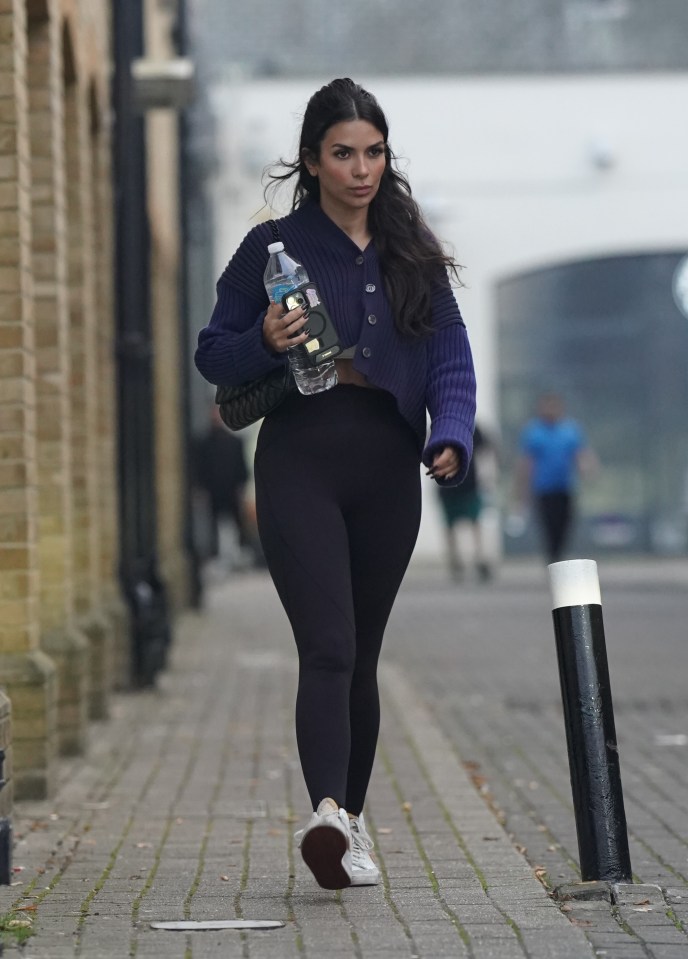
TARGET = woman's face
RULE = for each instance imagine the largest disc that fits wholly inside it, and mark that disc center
(350, 166)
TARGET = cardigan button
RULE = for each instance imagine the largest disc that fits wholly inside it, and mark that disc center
(359, 260)
(370, 287)
(367, 352)
(372, 319)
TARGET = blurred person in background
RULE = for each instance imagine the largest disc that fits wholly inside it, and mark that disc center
(462, 506)
(553, 453)
(338, 489)
(221, 474)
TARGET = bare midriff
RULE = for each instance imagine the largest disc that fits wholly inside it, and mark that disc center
(348, 376)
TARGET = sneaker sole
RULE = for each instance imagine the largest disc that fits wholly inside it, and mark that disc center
(363, 877)
(322, 849)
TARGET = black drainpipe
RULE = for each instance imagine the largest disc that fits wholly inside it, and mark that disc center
(141, 581)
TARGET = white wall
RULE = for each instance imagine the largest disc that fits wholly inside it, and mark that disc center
(516, 173)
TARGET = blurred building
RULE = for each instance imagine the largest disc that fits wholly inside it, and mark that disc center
(546, 144)
(66, 617)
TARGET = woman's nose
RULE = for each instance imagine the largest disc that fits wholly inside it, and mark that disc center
(361, 168)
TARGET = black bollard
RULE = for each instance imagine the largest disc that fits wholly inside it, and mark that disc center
(589, 719)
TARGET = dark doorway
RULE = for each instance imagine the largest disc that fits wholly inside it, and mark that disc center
(609, 336)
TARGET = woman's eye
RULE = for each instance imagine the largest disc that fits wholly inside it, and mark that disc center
(342, 154)
(376, 151)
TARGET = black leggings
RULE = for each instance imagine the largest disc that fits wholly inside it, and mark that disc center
(338, 501)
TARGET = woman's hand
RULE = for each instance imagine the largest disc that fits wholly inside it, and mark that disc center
(445, 464)
(278, 326)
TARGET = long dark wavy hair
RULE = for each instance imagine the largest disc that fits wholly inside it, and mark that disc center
(411, 258)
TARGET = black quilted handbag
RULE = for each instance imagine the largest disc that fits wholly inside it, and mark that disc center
(245, 404)
(242, 405)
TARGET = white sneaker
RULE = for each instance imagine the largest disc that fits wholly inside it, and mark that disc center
(326, 845)
(364, 871)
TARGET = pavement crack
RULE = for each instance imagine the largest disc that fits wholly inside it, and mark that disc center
(425, 859)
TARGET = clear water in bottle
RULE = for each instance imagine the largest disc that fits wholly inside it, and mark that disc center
(311, 379)
(282, 274)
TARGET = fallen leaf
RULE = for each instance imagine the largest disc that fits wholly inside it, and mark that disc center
(224, 878)
(384, 831)
(144, 845)
(32, 908)
(407, 806)
(642, 902)
(642, 908)
(522, 849)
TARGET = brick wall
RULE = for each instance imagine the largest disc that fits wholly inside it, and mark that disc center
(19, 608)
(60, 600)
(27, 676)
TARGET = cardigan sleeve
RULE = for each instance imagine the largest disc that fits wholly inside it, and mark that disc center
(231, 349)
(450, 387)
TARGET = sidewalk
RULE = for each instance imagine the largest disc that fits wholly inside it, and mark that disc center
(186, 805)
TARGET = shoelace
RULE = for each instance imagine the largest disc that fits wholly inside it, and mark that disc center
(361, 844)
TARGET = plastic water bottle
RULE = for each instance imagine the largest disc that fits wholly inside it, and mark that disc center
(282, 274)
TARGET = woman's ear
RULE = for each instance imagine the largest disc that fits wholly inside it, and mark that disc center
(309, 162)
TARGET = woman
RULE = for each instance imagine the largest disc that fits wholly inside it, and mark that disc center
(337, 478)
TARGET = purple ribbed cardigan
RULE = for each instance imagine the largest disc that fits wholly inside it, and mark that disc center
(434, 373)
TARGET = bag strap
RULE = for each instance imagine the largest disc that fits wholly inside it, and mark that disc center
(275, 231)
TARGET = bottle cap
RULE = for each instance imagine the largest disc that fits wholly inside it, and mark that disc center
(275, 247)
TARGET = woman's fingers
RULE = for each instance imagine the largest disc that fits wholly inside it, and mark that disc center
(445, 464)
(281, 330)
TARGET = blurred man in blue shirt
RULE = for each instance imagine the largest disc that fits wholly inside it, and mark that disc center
(553, 450)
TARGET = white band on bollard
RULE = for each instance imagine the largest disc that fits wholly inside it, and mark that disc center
(574, 583)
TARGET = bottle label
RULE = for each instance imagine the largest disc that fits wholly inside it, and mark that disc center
(278, 291)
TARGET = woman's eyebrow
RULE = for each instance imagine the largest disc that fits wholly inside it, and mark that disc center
(344, 146)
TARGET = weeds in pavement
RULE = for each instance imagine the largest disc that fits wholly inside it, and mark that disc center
(15, 928)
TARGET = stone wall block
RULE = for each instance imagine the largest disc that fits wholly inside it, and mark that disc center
(70, 651)
(30, 682)
(98, 631)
